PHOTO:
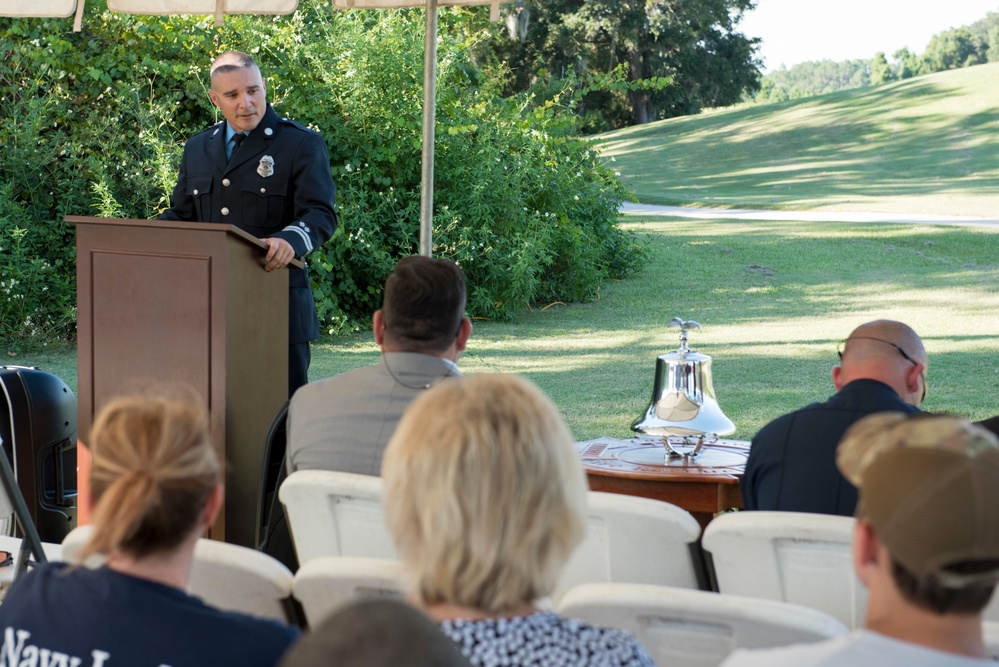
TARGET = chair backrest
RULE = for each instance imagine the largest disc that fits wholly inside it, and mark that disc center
(324, 584)
(229, 576)
(627, 539)
(224, 575)
(633, 540)
(991, 612)
(335, 514)
(73, 544)
(13, 545)
(990, 633)
(793, 557)
(685, 628)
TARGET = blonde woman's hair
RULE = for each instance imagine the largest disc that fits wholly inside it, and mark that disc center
(484, 493)
(153, 469)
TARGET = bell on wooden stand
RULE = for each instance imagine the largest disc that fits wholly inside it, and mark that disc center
(683, 411)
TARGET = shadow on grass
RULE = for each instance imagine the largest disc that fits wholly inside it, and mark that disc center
(772, 330)
(908, 139)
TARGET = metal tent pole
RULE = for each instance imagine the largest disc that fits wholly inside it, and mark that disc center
(31, 543)
(429, 114)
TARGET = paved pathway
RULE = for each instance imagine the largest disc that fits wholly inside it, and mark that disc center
(807, 216)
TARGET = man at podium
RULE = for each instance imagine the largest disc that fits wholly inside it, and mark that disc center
(267, 175)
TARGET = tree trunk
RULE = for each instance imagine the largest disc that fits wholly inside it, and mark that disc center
(639, 98)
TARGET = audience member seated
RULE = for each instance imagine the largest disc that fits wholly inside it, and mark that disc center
(926, 545)
(156, 484)
(376, 633)
(485, 499)
(344, 422)
(792, 460)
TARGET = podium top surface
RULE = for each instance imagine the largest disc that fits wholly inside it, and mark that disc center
(174, 224)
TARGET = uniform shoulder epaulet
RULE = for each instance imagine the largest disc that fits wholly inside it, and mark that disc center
(294, 123)
(212, 129)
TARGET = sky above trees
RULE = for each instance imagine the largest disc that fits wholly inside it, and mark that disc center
(795, 31)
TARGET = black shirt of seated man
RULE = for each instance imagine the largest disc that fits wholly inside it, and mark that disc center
(276, 186)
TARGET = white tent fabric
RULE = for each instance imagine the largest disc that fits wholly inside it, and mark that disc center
(203, 6)
(391, 4)
(66, 8)
(38, 8)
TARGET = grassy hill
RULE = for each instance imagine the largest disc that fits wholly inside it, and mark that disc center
(923, 145)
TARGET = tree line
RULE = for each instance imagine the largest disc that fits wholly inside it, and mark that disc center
(631, 61)
(974, 44)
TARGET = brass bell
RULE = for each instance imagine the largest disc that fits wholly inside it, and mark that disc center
(683, 399)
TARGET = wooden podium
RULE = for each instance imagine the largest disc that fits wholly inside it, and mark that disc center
(161, 302)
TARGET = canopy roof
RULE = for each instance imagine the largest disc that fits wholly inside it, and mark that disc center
(67, 8)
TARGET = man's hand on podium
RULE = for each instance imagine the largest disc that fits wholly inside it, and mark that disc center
(279, 253)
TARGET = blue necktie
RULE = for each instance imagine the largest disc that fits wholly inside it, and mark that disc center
(236, 140)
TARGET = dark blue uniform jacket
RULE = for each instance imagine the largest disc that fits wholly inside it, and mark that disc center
(792, 461)
(277, 184)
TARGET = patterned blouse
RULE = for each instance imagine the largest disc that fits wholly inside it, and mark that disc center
(544, 639)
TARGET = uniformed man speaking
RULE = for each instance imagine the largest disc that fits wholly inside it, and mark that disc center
(267, 175)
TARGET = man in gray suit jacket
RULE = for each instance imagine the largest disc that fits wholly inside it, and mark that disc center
(344, 422)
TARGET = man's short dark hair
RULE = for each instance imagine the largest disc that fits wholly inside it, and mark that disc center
(376, 633)
(232, 61)
(423, 304)
(929, 594)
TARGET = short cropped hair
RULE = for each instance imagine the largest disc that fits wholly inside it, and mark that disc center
(423, 304)
(930, 594)
(484, 493)
(231, 61)
(152, 471)
(376, 633)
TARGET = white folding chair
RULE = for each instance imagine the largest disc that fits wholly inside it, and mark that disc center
(224, 575)
(12, 545)
(335, 514)
(685, 628)
(991, 612)
(990, 632)
(324, 584)
(627, 539)
(792, 557)
(633, 540)
(73, 543)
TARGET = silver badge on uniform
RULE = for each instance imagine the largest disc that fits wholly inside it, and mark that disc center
(266, 166)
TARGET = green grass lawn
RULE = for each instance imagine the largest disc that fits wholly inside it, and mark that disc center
(922, 145)
(773, 297)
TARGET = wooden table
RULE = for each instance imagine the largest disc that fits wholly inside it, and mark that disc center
(703, 486)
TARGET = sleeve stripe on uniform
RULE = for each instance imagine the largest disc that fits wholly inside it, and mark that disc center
(301, 232)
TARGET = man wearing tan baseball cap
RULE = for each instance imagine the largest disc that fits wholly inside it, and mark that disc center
(926, 545)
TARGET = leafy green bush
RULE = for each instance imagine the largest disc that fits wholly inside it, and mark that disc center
(94, 123)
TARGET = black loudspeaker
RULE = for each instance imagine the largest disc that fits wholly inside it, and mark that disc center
(38, 428)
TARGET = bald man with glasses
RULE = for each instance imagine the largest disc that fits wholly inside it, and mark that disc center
(792, 461)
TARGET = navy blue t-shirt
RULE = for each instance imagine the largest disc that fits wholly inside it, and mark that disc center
(55, 615)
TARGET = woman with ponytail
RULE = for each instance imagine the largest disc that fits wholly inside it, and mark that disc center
(157, 486)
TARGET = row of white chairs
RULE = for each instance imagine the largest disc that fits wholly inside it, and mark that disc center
(683, 628)
(798, 558)
(784, 565)
(628, 539)
(680, 627)
(795, 557)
